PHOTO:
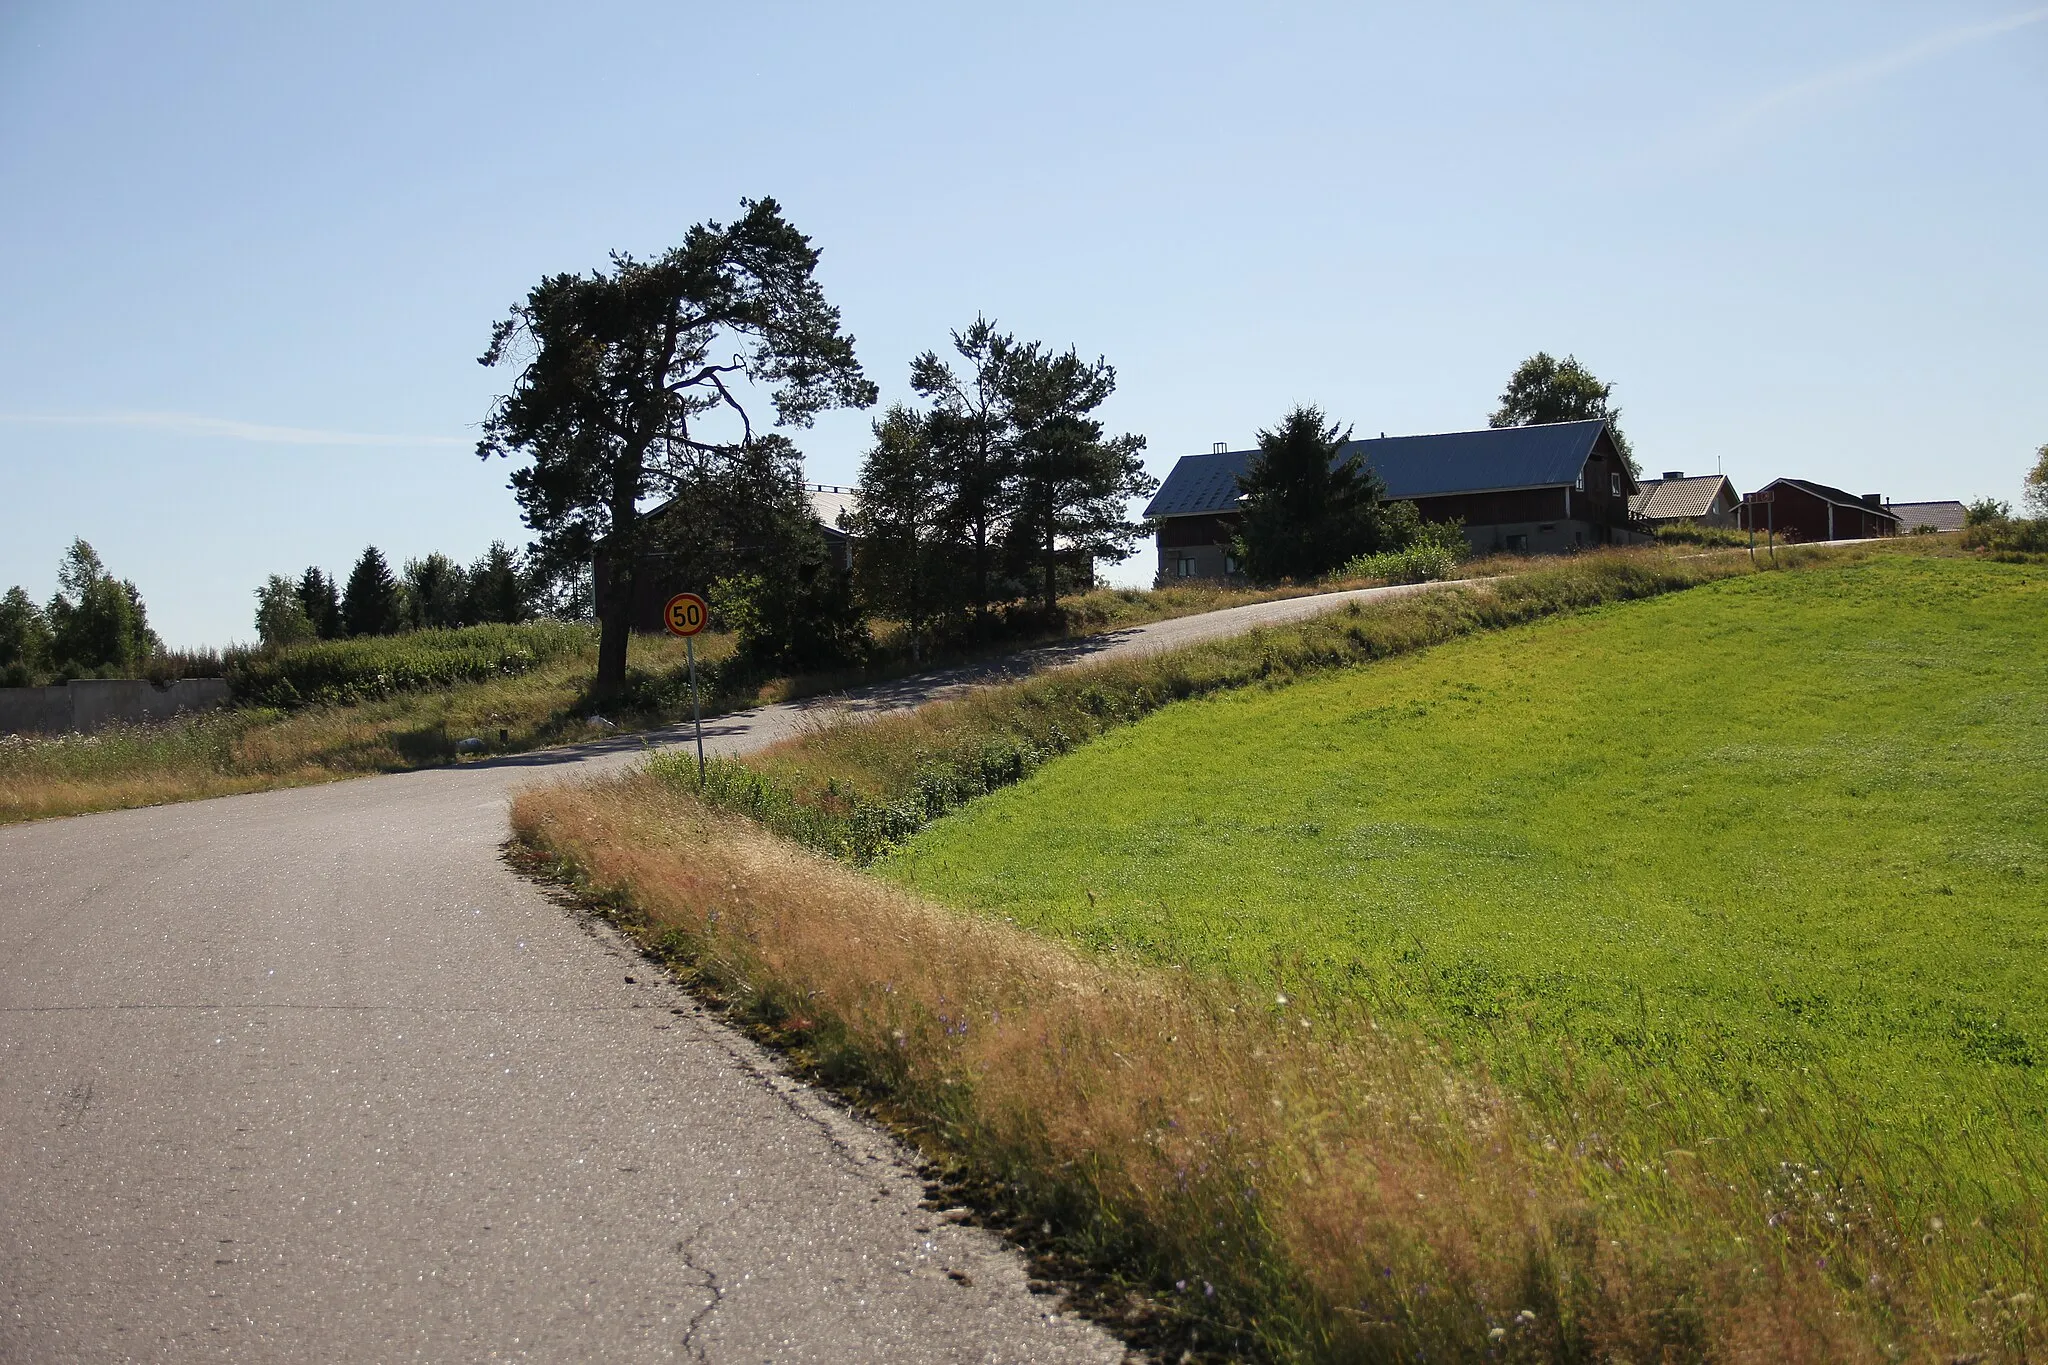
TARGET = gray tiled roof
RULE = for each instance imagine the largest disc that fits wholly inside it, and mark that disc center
(1548, 456)
(1942, 516)
(1674, 499)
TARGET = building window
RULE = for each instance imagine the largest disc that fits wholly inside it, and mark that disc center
(1518, 543)
(1230, 564)
(1614, 483)
(1185, 566)
(1580, 482)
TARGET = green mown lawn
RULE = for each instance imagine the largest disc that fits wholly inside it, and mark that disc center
(1777, 843)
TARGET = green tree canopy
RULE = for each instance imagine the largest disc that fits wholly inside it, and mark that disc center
(622, 369)
(436, 593)
(970, 439)
(372, 603)
(280, 616)
(497, 588)
(320, 600)
(1544, 389)
(1985, 511)
(2034, 491)
(906, 566)
(773, 576)
(98, 625)
(1073, 483)
(1307, 508)
(24, 640)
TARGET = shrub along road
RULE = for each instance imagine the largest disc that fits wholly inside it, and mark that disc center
(311, 1074)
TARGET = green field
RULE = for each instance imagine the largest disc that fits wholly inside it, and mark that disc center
(1771, 853)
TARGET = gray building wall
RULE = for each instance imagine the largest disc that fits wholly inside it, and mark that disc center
(91, 704)
(1187, 563)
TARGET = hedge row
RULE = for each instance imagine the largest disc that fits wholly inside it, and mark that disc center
(370, 667)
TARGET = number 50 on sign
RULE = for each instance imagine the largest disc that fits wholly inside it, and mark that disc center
(685, 614)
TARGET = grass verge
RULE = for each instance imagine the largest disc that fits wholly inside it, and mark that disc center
(1294, 1174)
(1285, 1179)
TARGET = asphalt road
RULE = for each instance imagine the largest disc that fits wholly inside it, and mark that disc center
(310, 1075)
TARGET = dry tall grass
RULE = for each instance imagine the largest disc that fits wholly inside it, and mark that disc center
(1295, 1182)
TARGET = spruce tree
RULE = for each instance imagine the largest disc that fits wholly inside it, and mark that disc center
(370, 604)
(436, 592)
(497, 588)
(1306, 507)
(321, 602)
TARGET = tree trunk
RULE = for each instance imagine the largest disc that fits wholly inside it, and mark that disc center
(615, 603)
(615, 628)
(1052, 566)
(980, 577)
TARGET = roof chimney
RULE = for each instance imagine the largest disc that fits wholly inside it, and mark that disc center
(1874, 500)
(1219, 448)
(1674, 473)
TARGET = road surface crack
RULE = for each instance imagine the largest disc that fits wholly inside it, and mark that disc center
(692, 1348)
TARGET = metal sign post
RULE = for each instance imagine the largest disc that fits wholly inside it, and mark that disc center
(696, 711)
(685, 615)
(1769, 499)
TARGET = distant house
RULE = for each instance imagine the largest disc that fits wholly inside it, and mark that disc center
(654, 581)
(1941, 516)
(1538, 490)
(829, 504)
(1704, 499)
(1800, 509)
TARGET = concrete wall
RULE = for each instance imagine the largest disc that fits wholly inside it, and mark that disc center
(92, 704)
(34, 710)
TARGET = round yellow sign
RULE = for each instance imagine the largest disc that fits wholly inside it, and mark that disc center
(685, 614)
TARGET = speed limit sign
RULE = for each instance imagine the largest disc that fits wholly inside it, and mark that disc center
(685, 614)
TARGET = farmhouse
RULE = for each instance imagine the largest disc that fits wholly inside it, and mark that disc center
(1704, 500)
(654, 581)
(1539, 490)
(1939, 516)
(1800, 509)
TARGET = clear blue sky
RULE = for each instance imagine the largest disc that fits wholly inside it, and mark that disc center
(249, 253)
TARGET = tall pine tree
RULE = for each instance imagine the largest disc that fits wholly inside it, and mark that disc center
(1073, 484)
(622, 370)
(371, 603)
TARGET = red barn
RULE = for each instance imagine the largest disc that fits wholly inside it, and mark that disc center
(1800, 509)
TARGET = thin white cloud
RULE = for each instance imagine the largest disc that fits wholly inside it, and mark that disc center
(1869, 70)
(224, 428)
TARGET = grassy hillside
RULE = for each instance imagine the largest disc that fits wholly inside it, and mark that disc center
(1765, 863)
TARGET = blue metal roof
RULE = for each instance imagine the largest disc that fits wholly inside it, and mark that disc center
(1548, 456)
